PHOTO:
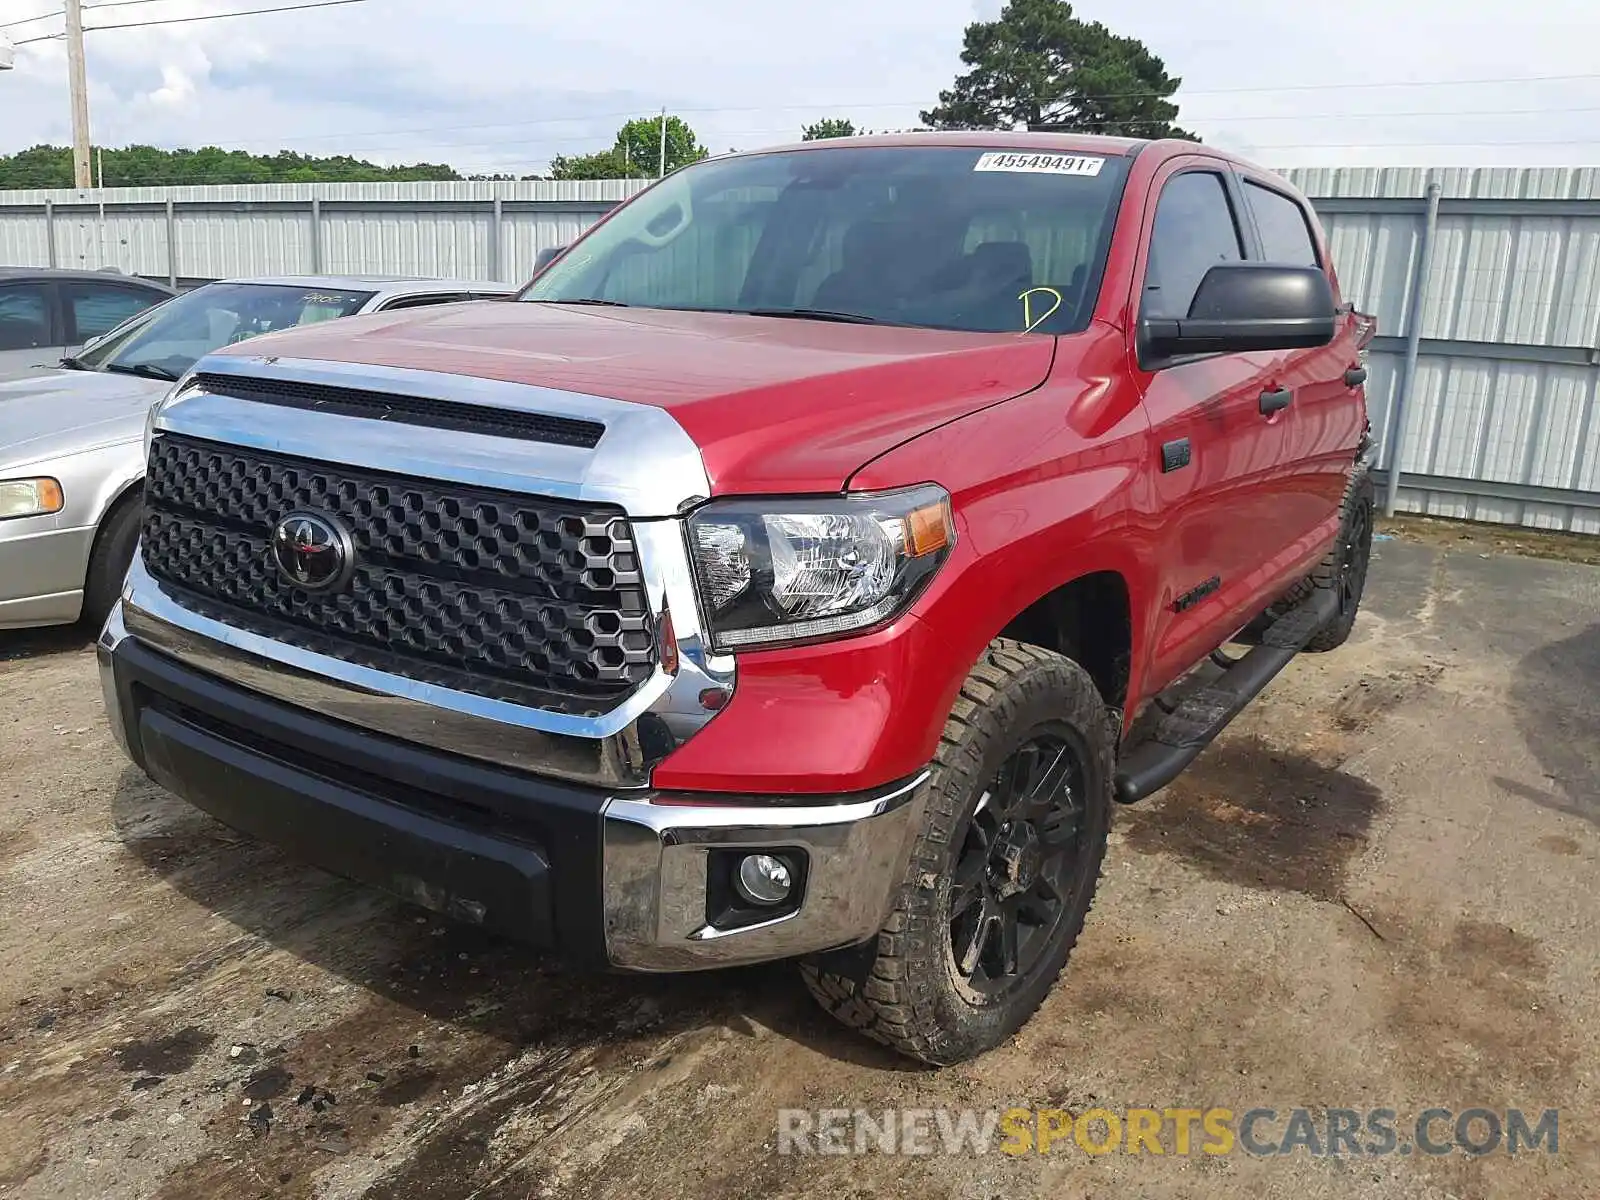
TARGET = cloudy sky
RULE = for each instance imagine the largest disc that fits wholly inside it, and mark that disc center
(502, 85)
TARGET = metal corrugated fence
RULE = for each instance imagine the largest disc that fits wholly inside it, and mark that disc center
(1502, 416)
(464, 230)
(1501, 420)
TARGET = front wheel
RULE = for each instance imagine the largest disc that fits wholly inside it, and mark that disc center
(114, 546)
(1003, 870)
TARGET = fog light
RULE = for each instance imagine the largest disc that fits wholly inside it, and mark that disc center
(763, 879)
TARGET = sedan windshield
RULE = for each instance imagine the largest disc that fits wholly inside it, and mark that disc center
(937, 236)
(165, 341)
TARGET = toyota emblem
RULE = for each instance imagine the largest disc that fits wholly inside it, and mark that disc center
(313, 552)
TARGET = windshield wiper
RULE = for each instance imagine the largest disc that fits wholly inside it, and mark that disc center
(144, 370)
(812, 314)
(72, 363)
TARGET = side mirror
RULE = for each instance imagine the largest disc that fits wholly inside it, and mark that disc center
(545, 257)
(1244, 306)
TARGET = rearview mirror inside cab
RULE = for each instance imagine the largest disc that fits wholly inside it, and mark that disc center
(545, 257)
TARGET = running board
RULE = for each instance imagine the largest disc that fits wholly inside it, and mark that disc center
(1205, 712)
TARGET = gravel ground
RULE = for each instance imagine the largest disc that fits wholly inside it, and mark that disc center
(1376, 891)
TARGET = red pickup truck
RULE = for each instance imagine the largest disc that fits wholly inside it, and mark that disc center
(801, 566)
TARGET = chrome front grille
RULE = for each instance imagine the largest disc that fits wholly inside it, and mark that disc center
(529, 599)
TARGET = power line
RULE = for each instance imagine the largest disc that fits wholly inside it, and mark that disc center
(1181, 94)
(1345, 116)
(29, 20)
(1430, 142)
(1087, 127)
(61, 12)
(633, 113)
(417, 153)
(352, 147)
(540, 166)
(250, 12)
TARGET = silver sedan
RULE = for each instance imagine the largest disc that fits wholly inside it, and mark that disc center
(71, 441)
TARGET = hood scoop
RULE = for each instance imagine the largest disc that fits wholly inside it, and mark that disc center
(408, 410)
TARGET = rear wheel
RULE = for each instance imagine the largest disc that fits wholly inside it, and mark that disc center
(109, 561)
(1003, 870)
(1344, 570)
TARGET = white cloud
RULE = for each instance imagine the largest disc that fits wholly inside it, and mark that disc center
(504, 84)
(177, 87)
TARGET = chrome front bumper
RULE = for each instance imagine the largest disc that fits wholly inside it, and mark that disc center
(623, 879)
(657, 862)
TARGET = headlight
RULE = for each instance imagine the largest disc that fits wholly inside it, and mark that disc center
(29, 498)
(776, 571)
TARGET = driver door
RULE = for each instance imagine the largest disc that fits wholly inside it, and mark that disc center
(1216, 449)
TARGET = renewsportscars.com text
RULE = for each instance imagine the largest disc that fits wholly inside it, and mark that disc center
(1179, 1132)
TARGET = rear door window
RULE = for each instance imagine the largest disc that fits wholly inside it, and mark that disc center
(1195, 229)
(94, 309)
(24, 316)
(1285, 232)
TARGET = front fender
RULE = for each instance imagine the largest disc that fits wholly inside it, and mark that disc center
(1038, 504)
(94, 480)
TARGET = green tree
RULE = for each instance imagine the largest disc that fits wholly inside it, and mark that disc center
(829, 127)
(148, 166)
(636, 154)
(1040, 65)
(604, 164)
(639, 142)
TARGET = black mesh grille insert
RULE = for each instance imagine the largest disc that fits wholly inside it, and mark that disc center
(409, 410)
(524, 598)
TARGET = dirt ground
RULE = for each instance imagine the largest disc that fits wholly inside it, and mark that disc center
(1377, 890)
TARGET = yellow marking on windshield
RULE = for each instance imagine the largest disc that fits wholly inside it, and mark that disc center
(1028, 323)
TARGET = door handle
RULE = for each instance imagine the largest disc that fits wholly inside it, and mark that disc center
(1355, 377)
(1275, 400)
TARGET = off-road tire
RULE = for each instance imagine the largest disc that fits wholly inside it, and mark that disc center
(903, 988)
(1355, 538)
(114, 544)
(1356, 511)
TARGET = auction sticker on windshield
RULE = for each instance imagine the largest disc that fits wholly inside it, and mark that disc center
(1051, 164)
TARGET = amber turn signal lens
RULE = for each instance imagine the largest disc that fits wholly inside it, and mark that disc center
(29, 497)
(929, 529)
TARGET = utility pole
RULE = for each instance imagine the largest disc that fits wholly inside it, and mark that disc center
(78, 82)
(663, 169)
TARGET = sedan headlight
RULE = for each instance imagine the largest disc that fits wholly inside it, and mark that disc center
(29, 498)
(777, 571)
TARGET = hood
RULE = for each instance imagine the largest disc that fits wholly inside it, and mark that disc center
(65, 412)
(775, 405)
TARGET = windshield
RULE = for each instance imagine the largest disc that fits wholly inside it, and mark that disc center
(936, 236)
(165, 341)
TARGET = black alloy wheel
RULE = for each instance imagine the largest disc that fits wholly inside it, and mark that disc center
(1355, 557)
(1019, 862)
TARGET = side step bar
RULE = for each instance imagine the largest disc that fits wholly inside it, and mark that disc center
(1205, 712)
